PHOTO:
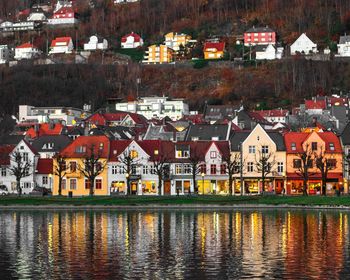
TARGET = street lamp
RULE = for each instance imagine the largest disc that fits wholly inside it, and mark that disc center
(203, 182)
(127, 183)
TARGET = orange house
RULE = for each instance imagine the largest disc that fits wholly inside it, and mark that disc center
(313, 143)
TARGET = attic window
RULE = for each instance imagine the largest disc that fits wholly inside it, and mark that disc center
(80, 149)
(294, 146)
(331, 146)
(156, 152)
(101, 146)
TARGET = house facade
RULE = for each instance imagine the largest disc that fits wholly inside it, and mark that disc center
(174, 40)
(303, 45)
(131, 41)
(255, 147)
(214, 50)
(5, 54)
(64, 16)
(313, 143)
(61, 45)
(344, 46)
(96, 43)
(158, 54)
(26, 51)
(259, 36)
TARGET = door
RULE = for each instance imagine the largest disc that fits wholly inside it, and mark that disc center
(167, 187)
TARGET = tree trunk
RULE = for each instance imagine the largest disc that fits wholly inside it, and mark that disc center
(91, 191)
(59, 185)
(128, 190)
(324, 187)
(305, 187)
(159, 185)
(19, 189)
(230, 182)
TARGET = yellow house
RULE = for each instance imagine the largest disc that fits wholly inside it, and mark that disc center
(254, 147)
(159, 54)
(214, 50)
(74, 154)
(175, 40)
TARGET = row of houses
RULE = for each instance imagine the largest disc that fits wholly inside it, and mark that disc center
(248, 161)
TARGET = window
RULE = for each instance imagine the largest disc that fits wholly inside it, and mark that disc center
(80, 149)
(145, 169)
(296, 163)
(63, 184)
(212, 154)
(294, 146)
(178, 169)
(3, 171)
(250, 166)
(45, 180)
(265, 149)
(252, 149)
(314, 146)
(280, 167)
(133, 169)
(332, 163)
(331, 146)
(87, 184)
(114, 169)
(73, 166)
(25, 157)
(187, 169)
(152, 169)
(223, 169)
(73, 184)
(203, 168)
(98, 184)
(213, 169)
(134, 154)
(310, 163)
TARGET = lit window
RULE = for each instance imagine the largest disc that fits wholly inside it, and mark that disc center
(294, 146)
(133, 154)
(331, 146)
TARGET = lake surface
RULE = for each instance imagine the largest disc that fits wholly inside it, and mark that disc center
(271, 244)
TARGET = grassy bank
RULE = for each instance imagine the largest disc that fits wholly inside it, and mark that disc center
(182, 200)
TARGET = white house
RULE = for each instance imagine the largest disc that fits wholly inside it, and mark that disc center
(96, 43)
(4, 54)
(131, 41)
(29, 155)
(43, 173)
(61, 45)
(303, 45)
(156, 107)
(265, 52)
(6, 26)
(344, 46)
(26, 51)
(37, 14)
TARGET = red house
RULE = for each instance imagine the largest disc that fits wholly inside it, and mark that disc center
(259, 36)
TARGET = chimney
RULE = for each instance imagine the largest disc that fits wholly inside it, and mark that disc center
(174, 135)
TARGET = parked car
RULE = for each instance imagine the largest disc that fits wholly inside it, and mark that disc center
(40, 191)
(3, 190)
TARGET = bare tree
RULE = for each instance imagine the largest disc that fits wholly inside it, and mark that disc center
(160, 162)
(128, 160)
(20, 168)
(60, 170)
(93, 166)
(195, 162)
(303, 165)
(264, 164)
(232, 166)
(324, 164)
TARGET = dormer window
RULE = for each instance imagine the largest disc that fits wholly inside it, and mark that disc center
(293, 146)
(156, 152)
(331, 146)
(80, 149)
(212, 154)
(182, 151)
(314, 146)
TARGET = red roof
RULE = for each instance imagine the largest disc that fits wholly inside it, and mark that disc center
(5, 154)
(25, 46)
(65, 10)
(273, 113)
(300, 137)
(45, 129)
(311, 104)
(81, 147)
(219, 46)
(103, 119)
(338, 101)
(62, 41)
(137, 37)
(45, 166)
(195, 119)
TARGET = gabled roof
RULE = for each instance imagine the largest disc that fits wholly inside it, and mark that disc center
(344, 39)
(218, 46)
(273, 113)
(311, 104)
(26, 46)
(11, 139)
(44, 166)
(45, 129)
(117, 147)
(5, 151)
(345, 135)
(304, 37)
(59, 142)
(61, 41)
(207, 131)
(65, 10)
(81, 147)
(137, 38)
(259, 29)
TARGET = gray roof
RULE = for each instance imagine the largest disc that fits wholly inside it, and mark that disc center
(260, 29)
(207, 132)
(217, 112)
(344, 39)
(10, 139)
(345, 135)
(240, 136)
(59, 142)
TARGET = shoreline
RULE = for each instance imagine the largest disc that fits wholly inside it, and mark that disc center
(162, 207)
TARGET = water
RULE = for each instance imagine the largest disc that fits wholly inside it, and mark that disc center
(174, 245)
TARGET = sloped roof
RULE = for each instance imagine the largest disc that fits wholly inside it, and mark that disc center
(59, 142)
(344, 39)
(25, 46)
(219, 46)
(44, 166)
(273, 113)
(137, 37)
(45, 129)
(61, 41)
(259, 29)
(207, 131)
(5, 151)
(318, 104)
(345, 135)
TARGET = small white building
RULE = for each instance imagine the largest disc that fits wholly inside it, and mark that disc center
(303, 45)
(6, 26)
(156, 107)
(344, 46)
(37, 14)
(96, 43)
(131, 41)
(265, 52)
(26, 51)
(61, 45)
(4, 54)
